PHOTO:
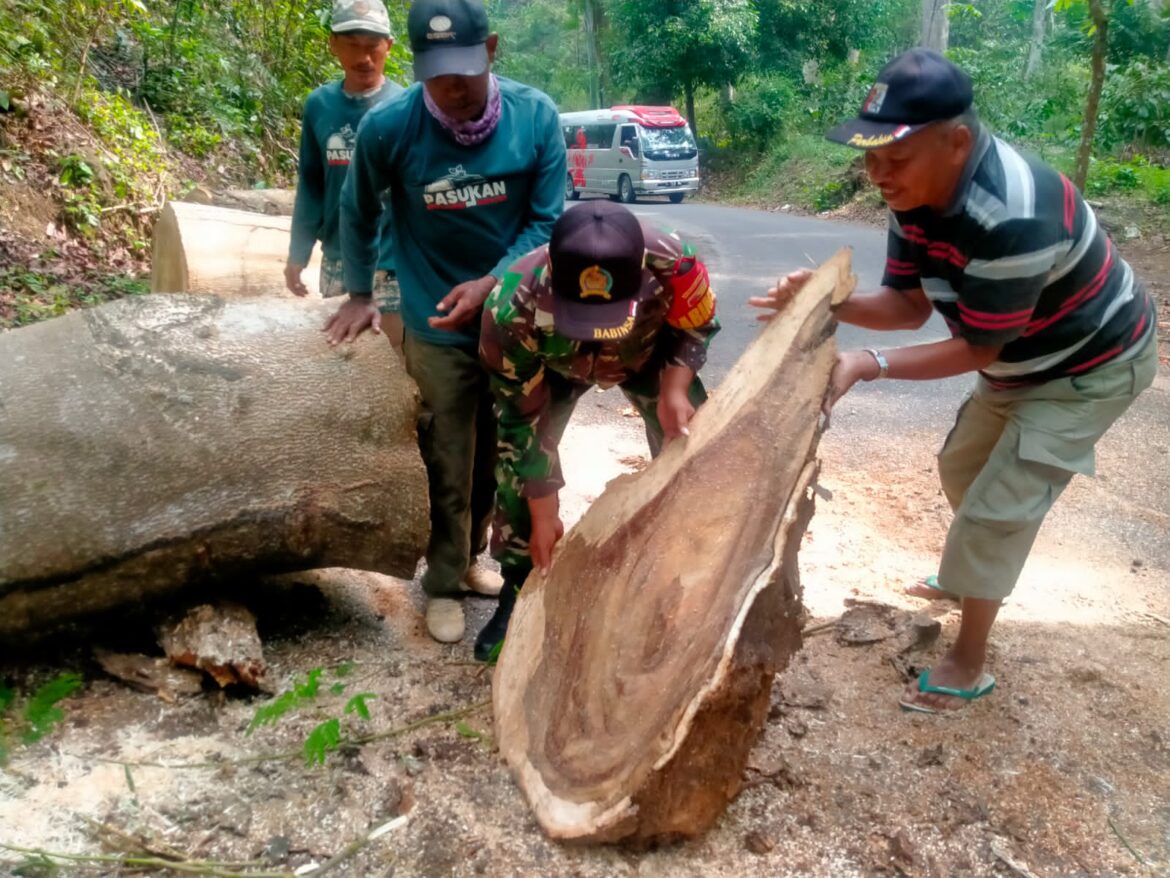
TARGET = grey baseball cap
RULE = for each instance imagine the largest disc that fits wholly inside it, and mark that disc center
(360, 16)
(448, 37)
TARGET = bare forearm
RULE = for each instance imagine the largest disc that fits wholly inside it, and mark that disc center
(886, 309)
(940, 359)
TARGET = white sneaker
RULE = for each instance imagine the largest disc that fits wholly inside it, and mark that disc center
(482, 580)
(445, 620)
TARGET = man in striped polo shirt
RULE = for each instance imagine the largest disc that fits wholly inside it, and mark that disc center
(1039, 304)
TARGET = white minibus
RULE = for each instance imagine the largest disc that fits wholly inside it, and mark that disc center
(627, 151)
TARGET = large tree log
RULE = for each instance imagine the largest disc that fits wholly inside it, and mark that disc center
(204, 249)
(156, 440)
(636, 675)
(275, 202)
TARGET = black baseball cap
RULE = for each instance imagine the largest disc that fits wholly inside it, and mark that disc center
(596, 251)
(447, 37)
(917, 88)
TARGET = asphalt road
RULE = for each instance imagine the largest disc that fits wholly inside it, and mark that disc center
(746, 250)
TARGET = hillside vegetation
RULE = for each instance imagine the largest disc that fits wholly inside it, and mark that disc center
(108, 107)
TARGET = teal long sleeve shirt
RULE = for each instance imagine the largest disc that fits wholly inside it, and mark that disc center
(329, 127)
(459, 212)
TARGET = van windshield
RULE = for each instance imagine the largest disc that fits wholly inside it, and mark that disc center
(665, 144)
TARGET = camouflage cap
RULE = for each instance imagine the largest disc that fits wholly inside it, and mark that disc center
(360, 16)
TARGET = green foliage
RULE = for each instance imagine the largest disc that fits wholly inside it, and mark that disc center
(30, 720)
(1136, 106)
(660, 50)
(326, 736)
(764, 110)
(28, 296)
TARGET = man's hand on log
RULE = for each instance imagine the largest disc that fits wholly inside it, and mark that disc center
(547, 529)
(463, 303)
(851, 367)
(674, 408)
(292, 279)
(778, 297)
(355, 316)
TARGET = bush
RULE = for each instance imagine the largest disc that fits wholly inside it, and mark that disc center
(765, 110)
(1135, 108)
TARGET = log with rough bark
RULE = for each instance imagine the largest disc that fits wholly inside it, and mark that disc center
(155, 441)
(636, 676)
(275, 202)
(203, 249)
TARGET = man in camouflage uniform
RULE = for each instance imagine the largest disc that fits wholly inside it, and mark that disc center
(608, 301)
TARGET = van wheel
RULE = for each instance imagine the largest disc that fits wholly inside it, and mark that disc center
(676, 197)
(626, 190)
(571, 192)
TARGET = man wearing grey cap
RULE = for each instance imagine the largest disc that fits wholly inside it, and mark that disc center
(474, 165)
(360, 40)
(1038, 303)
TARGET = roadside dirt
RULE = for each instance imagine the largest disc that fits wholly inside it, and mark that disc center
(1063, 771)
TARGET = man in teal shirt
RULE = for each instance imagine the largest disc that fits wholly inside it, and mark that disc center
(360, 39)
(475, 168)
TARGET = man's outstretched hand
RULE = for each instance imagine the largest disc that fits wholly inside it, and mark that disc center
(355, 316)
(462, 304)
(777, 298)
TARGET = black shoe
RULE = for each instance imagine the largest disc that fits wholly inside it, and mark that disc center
(490, 639)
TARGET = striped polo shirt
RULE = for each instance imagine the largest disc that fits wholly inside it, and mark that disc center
(1019, 260)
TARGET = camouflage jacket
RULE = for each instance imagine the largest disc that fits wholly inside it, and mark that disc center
(518, 343)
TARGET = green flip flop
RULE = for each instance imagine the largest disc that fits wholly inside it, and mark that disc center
(982, 687)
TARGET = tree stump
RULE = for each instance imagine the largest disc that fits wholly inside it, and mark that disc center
(158, 440)
(203, 249)
(636, 676)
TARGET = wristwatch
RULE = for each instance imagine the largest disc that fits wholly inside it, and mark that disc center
(883, 363)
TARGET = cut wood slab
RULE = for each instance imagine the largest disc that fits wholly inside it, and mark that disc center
(636, 676)
(200, 248)
(159, 440)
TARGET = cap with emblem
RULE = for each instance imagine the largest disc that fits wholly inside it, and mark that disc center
(360, 16)
(912, 91)
(596, 251)
(447, 38)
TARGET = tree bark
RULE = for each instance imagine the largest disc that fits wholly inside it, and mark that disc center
(689, 88)
(1100, 18)
(936, 27)
(275, 202)
(1036, 47)
(636, 675)
(203, 249)
(592, 17)
(158, 440)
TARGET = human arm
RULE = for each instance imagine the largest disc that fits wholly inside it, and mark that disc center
(509, 350)
(308, 206)
(547, 195)
(924, 362)
(885, 308)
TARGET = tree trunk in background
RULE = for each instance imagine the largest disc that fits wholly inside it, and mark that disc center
(592, 16)
(689, 88)
(203, 249)
(636, 674)
(1036, 47)
(160, 440)
(935, 25)
(1100, 17)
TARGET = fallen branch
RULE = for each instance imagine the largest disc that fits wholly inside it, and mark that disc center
(286, 755)
(1125, 842)
(193, 867)
(1001, 852)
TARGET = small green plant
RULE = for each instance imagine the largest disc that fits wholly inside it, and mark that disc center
(27, 720)
(326, 736)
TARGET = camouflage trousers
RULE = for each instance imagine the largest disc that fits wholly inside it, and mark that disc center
(386, 293)
(512, 524)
